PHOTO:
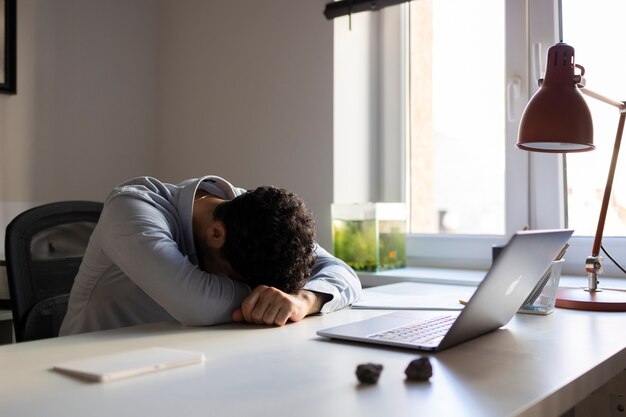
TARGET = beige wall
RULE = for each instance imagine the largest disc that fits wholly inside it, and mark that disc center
(246, 92)
(84, 115)
(112, 89)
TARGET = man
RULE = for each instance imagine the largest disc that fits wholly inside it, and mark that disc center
(204, 252)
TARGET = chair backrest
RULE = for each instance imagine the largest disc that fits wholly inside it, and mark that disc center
(44, 247)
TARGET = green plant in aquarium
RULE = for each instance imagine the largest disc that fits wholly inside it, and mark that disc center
(391, 245)
(364, 248)
(355, 243)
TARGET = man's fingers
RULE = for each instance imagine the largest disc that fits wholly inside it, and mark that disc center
(237, 315)
(282, 316)
(270, 306)
(255, 306)
(258, 312)
(270, 313)
(249, 303)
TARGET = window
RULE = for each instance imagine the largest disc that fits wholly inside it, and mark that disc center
(469, 185)
(595, 32)
(456, 113)
(532, 192)
(454, 77)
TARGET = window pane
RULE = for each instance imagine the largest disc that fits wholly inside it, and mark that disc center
(457, 126)
(596, 33)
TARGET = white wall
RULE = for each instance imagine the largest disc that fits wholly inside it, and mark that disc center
(369, 108)
(111, 89)
(245, 92)
(83, 118)
(356, 99)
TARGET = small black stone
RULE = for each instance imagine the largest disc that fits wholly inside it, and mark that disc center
(368, 373)
(419, 370)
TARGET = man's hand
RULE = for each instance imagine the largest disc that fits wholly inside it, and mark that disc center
(269, 305)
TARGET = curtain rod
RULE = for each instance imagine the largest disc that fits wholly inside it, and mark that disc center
(346, 7)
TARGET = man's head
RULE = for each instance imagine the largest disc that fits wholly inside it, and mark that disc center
(269, 238)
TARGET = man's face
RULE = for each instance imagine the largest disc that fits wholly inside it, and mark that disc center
(208, 233)
(209, 236)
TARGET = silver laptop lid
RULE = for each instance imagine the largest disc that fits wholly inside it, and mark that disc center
(513, 275)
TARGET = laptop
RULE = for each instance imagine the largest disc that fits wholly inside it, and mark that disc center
(511, 278)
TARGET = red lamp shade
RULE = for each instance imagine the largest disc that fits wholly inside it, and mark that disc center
(557, 118)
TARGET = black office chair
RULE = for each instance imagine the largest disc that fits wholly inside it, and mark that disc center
(44, 247)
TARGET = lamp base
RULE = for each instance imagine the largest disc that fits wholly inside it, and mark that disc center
(579, 299)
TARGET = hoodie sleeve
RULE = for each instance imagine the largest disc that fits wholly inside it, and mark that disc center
(334, 277)
(138, 239)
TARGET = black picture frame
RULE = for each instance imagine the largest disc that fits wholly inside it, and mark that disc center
(8, 51)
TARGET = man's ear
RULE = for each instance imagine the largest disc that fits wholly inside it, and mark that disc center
(216, 235)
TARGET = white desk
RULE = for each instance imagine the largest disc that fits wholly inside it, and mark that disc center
(537, 366)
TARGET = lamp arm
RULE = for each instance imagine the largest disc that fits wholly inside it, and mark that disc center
(609, 182)
(619, 104)
(609, 185)
(593, 264)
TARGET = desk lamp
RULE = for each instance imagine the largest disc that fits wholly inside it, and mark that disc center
(557, 120)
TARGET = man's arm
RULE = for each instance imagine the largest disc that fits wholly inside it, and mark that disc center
(137, 238)
(334, 278)
(333, 285)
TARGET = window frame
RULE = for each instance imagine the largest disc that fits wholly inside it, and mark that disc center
(371, 79)
(474, 251)
(531, 27)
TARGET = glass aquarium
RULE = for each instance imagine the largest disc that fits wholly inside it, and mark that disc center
(370, 236)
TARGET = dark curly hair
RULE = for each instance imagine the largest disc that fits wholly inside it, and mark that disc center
(269, 238)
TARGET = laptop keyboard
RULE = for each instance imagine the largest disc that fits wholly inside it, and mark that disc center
(419, 332)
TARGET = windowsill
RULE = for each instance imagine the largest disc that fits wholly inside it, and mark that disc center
(467, 277)
(419, 274)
